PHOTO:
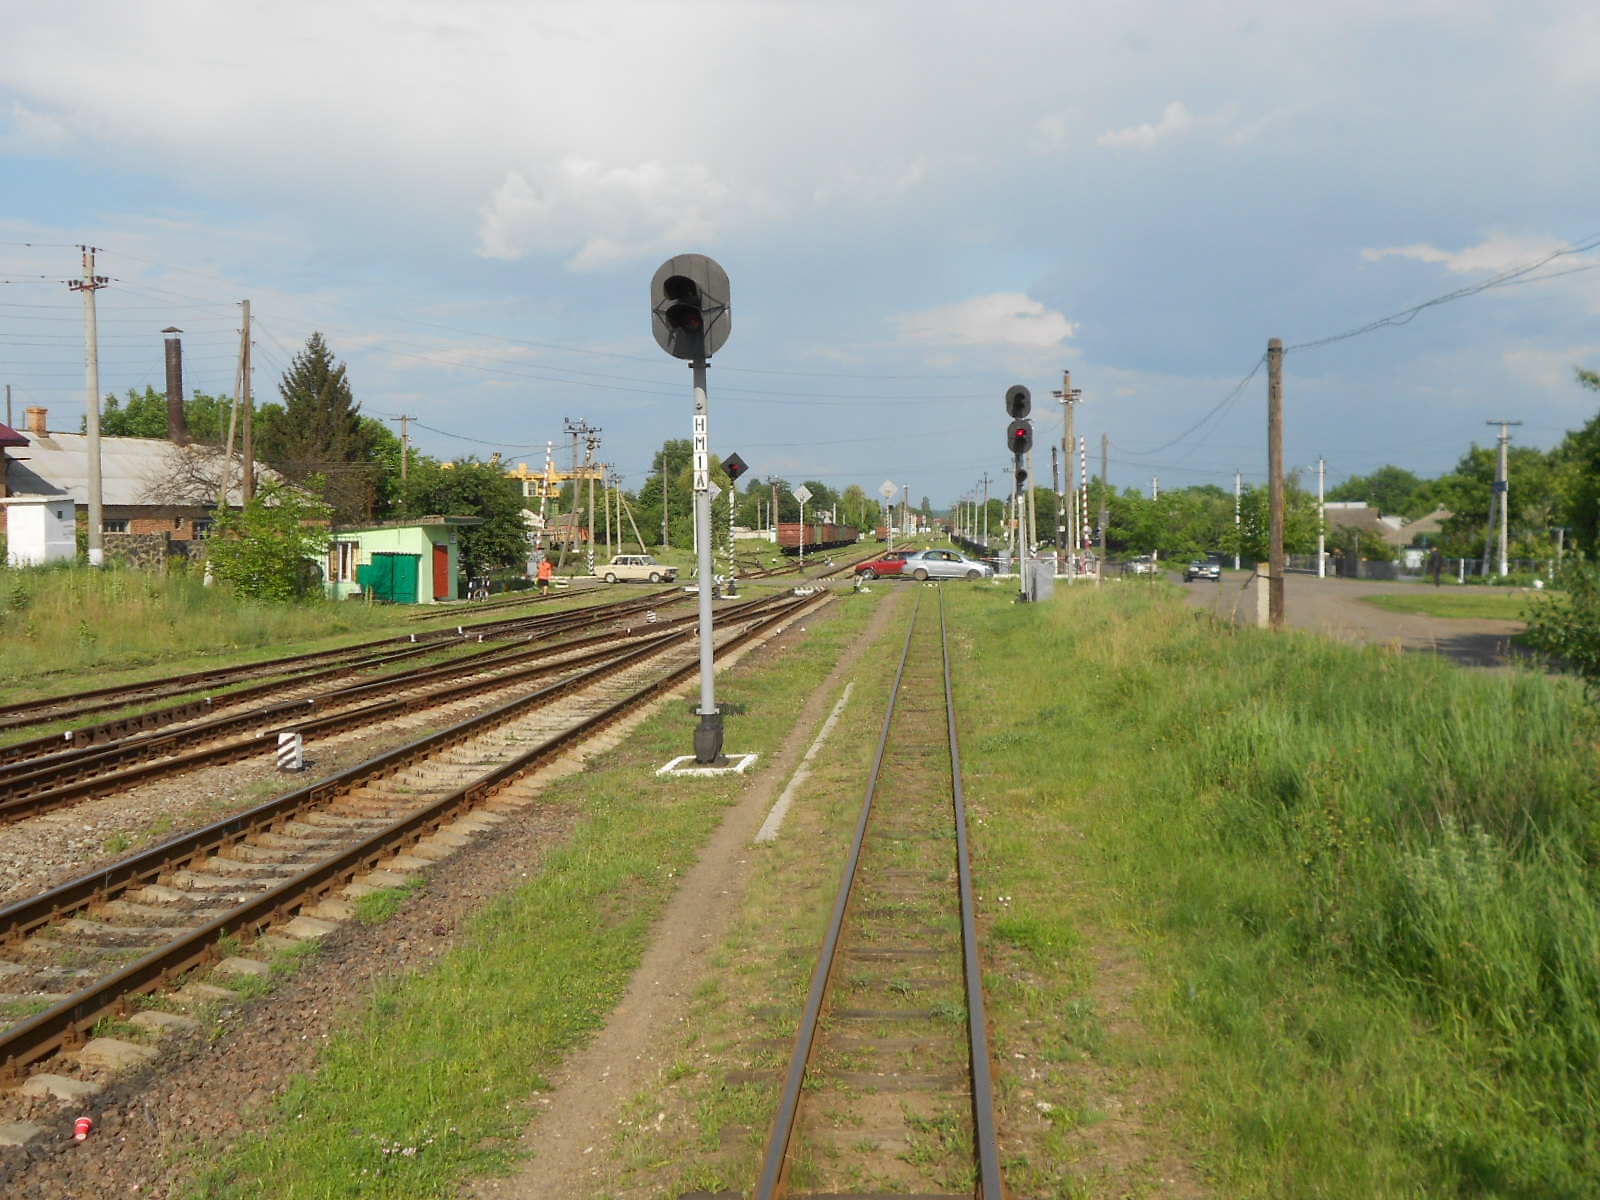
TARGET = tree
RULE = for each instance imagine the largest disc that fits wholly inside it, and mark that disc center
(145, 416)
(472, 489)
(269, 550)
(319, 431)
(1391, 490)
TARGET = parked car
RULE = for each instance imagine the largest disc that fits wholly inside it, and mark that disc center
(890, 563)
(1201, 569)
(637, 568)
(945, 564)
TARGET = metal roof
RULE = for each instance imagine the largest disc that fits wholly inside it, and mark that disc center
(134, 472)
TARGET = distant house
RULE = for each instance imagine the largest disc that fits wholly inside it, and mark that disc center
(397, 562)
(156, 496)
(1396, 531)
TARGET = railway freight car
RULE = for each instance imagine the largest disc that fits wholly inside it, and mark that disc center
(814, 535)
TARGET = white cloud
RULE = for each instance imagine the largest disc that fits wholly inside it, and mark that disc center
(1003, 319)
(650, 208)
(1176, 121)
(30, 131)
(1551, 369)
(1499, 252)
(874, 184)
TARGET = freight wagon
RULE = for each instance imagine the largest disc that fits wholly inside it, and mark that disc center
(816, 535)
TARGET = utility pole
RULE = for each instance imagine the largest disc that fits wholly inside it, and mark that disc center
(405, 443)
(247, 444)
(1061, 514)
(1322, 522)
(1105, 516)
(1498, 497)
(1275, 482)
(986, 510)
(1068, 398)
(1238, 491)
(89, 285)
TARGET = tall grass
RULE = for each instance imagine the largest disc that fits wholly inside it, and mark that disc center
(1374, 876)
(70, 621)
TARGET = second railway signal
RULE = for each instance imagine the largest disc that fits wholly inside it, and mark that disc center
(1019, 401)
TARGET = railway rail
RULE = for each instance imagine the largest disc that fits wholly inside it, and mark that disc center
(145, 922)
(892, 1051)
(230, 684)
(30, 786)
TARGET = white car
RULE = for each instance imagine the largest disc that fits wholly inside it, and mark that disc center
(637, 568)
(944, 564)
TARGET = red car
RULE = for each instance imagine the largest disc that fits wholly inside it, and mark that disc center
(891, 563)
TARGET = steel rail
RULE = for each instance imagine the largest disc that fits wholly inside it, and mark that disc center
(773, 1179)
(60, 774)
(991, 1185)
(65, 1024)
(775, 1163)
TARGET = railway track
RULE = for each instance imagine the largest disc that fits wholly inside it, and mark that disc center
(238, 682)
(88, 947)
(888, 1089)
(32, 785)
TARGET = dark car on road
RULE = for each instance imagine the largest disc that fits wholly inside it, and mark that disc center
(1202, 569)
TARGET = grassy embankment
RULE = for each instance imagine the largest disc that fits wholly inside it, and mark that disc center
(1363, 884)
(68, 624)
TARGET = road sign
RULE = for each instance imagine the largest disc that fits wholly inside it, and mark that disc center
(803, 494)
(887, 490)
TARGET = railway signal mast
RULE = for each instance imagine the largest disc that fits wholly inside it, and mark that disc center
(690, 317)
(1019, 440)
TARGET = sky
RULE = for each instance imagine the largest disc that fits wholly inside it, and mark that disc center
(918, 203)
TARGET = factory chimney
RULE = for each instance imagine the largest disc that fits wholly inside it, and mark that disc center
(177, 428)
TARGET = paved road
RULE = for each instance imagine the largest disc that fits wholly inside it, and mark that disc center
(1335, 607)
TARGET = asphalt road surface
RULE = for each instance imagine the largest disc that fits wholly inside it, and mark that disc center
(1335, 607)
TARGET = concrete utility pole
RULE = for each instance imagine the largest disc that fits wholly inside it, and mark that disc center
(1105, 515)
(1322, 522)
(1238, 491)
(89, 285)
(1275, 482)
(247, 442)
(1068, 398)
(1498, 498)
(405, 443)
(986, 510)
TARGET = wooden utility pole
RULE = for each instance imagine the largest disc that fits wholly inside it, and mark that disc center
(89, 285)
(1275, 482)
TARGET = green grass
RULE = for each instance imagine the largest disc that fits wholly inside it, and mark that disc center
(1364, 897)
(1481, 604)
(74, 622)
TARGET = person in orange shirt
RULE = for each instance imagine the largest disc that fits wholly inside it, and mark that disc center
(546, 570)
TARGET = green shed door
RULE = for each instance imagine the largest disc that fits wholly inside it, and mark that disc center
(392, 577)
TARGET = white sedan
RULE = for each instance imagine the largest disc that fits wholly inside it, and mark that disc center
(945, 564)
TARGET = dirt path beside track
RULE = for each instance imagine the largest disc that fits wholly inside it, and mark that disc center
(1336, 607)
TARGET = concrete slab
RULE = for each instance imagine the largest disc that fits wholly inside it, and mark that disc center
(245, 967)
(115, 1054)
(385, 879)
(18, 1133)
(685, 765)
(206, 993)
(61, 1087)
(331, 908)
(308, 927)
(157, 1021)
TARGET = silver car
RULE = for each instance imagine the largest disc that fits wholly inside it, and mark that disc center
(944, 564)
